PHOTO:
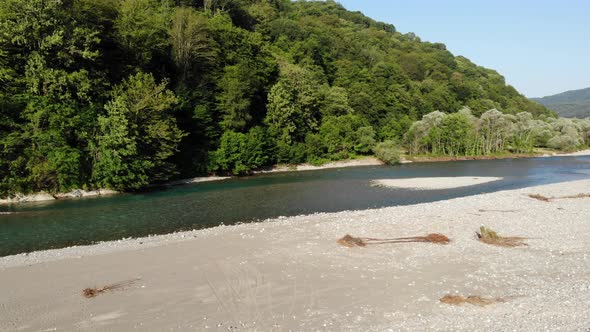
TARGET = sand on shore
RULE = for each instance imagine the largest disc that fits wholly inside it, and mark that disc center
(289, 273)
(430, 183)
(366, 161)
(43, 196)
(574, 154)
(200, 179)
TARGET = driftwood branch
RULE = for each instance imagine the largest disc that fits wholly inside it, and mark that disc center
(351, 241)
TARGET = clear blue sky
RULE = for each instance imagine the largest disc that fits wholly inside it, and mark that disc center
(542, 47)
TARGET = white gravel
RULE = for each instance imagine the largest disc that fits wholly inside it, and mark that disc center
(573, 154)
(289, 273)
(430, 183)
(198, 180)
(43, 196)
(366, 161)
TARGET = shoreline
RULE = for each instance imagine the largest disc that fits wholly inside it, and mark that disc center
(124, 244)
(540, 154)
(365, 161)
(585, 152)
(46, 197)
(289, 273)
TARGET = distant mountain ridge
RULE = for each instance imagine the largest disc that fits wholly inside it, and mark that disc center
(569, 104)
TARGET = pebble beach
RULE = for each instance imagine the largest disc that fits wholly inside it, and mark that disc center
(290, 274)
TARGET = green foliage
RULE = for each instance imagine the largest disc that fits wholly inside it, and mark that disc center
(335, 102)
(456, 131)
(142, 30)
(365, 140)
(51, 72)
(394, 128)
(137, 135)
(563, 142)
(241, 153)
(240, 85)
(293, 105)
(345, 136)
(252, 82)
(192, 48)
(388, 152)
(461, 133)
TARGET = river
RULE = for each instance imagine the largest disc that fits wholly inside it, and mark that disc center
(38, 226)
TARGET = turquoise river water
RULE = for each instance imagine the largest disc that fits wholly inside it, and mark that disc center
(38, 226)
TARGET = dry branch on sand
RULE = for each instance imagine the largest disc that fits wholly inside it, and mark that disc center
(474, 300)
(489, 236)
(575, 196)
(93, 292)
(351, 241)
(549, 199)
(540, 197)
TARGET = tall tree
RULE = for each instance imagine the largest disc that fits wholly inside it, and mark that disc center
(142, 30)
(192, 48)
(52, 48)
(293, 104)
(137, 136)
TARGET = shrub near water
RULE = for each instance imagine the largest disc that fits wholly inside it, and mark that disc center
(388, 152)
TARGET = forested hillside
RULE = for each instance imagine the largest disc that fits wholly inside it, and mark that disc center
(124, 93)
(569, 104)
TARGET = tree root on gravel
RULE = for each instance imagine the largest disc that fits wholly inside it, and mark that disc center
(94, 292)
(350, 241)
(474, 300)
(549, 199)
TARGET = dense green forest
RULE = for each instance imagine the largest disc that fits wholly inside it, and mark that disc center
(125, 93)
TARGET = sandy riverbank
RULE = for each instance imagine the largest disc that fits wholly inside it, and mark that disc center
(537, 154)
(572, 154)
(198, 180)
(289, 274)
(78, 193)
(366, 161)
(43, 196)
